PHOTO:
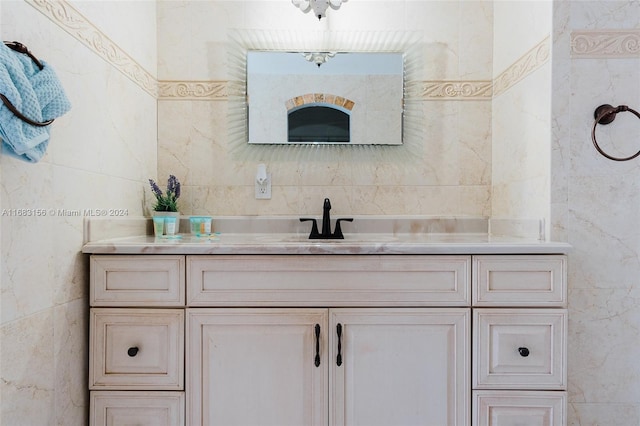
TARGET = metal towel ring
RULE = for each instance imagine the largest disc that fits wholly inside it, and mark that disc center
(605, 114)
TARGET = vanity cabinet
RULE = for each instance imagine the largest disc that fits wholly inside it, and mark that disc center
(327, 339)
(322, 330)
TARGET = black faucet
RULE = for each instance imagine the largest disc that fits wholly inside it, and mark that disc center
(326, 225)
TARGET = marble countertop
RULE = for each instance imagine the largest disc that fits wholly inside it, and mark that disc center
(287, 235)
(293, 243)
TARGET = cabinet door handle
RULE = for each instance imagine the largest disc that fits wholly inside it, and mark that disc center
(317, 361)
(133, 351)
(339, 357)
(524, 352)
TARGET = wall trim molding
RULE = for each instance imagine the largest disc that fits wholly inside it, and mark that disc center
(609, 44)
(531, 61)
(449, 90)
(193, 90)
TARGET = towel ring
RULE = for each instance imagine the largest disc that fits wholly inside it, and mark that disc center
(21, 48)
(605, 114)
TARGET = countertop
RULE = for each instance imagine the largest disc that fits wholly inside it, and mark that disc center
(295, 243)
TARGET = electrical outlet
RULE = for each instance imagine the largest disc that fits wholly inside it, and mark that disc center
(263, 191)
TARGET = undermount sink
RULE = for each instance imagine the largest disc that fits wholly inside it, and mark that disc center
(348, 238)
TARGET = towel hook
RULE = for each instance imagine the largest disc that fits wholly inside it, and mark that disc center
(605, 114)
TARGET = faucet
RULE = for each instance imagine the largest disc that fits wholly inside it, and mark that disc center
(326, 224)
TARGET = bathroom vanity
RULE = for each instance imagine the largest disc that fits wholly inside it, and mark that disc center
(391, 329)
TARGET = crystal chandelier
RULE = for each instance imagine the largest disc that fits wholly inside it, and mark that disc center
(319, 6)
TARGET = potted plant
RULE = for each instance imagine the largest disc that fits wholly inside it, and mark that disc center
(166, 202)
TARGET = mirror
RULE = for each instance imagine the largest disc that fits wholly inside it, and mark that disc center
(325, 97)
(408, 143)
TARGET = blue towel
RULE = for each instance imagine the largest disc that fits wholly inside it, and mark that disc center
(37, 94)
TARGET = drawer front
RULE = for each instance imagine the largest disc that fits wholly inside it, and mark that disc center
(141, 408)
(534, 280)
(136, 349)
(508, 408)
(137, 280)
(520, 349)
(328, 280)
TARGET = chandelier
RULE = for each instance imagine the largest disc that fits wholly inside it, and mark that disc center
(318, 58)
(319, 6)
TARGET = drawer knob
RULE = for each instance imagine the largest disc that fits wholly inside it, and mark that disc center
(133, 351)
(524, 352)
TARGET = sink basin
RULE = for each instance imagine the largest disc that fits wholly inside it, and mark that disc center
(348, 238)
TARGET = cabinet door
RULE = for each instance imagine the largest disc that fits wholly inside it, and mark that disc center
(520, 349)
(140, 408)
(519, 408)
(257, 367)
(400, 367)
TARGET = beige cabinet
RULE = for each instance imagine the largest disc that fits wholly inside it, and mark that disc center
(257, 367)
(328, 339)
(137, 408)
(520, 348)
(519, 408)
(136, 340)
(136, 349)
(338, 366)
(519, 340)
(405, 366)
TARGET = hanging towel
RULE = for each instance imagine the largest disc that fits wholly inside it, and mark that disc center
(37, 94)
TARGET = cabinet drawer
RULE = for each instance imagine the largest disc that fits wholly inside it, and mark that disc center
(508, 408)
(136, 408)
(328, 280)
(535, 280)
(520, 349)
(137, 280)
(136, 349)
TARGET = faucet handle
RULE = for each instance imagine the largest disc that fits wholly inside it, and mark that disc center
(337, 234)
(314, 228)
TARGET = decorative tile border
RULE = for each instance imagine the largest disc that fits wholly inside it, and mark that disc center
(449, 90)
(528, 63)
(73, 22)
(193, 90)
(605, 44)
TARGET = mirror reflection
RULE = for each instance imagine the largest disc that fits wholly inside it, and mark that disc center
(325, 97)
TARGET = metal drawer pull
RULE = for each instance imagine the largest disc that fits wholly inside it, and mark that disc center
(317, 345)
(524, 352)
(133, 351)
(339, 357)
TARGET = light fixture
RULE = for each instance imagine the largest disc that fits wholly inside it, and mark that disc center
(318, 58)
(319, 6)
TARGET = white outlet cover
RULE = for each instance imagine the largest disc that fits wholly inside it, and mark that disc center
(263, 191)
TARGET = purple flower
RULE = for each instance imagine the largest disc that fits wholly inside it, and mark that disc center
(155, 188)
(177, 191)
(171, 184)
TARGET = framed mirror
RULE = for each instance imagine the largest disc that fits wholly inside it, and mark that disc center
(325, 97)
(256, 133)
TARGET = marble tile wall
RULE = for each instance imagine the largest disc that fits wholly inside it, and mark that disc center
(596, 204)
(104, 149)
(99, 157)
